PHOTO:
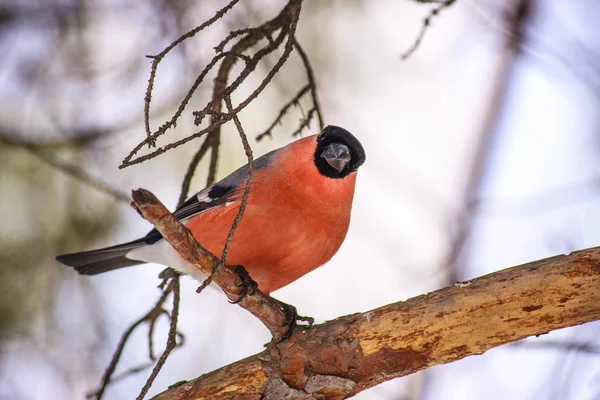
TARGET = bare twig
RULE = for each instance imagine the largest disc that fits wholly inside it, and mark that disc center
(293, 102)
(71, 170)
(310, 75)
(426, 23)
(266, 309)
(304, 122)
(240, 212)
(150, 318)
(185, 185)
(214, 141)
(316, 107)
(159, 57)
(171, 340)
(173, 121)
(278, 32)
(286, 22)
(123, 375)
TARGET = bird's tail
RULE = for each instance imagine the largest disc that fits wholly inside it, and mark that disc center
(102, 260)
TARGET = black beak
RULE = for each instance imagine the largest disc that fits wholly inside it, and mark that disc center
(337, 155)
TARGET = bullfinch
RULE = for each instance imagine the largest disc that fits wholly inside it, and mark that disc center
(296, 217)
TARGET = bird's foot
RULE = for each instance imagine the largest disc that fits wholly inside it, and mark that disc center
(291, 319)
(249, 286)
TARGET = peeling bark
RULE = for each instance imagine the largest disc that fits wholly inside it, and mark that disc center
(340, 358)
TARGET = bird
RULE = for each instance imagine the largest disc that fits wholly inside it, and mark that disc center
(296, 217)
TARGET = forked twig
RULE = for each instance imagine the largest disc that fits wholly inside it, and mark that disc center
(171, 340)
(285, 23)
(150, 318)
(293, 102)
(277, 33)
(159, 57)
(426, 23)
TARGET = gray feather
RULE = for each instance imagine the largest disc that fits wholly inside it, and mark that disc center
(102, 260)
(220, 192)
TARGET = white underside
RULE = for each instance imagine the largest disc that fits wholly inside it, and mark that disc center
(161, 252)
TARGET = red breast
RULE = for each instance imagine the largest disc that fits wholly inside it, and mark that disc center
(295, 219)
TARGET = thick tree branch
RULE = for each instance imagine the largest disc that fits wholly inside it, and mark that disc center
(262, 306)
(340, 358)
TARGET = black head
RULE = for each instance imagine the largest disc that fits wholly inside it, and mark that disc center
(338, 153)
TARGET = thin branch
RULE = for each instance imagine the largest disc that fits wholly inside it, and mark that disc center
(151, 336)
(214, 140)
(69, 169)
(177, 235)
(233, 34)
(286, 22)
(268, 310)
(240, 212)
(316, 108)
(185, 185)
(343, 357)
(159, 57)
(304, 122)
(199, 79)
(123, 375)
(150, 317)
(171, 340)
(293, 102)
(72, 139)
(426, 23)
(310, 75)
(221, 91)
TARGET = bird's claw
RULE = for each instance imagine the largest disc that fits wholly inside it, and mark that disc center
(291, 319)
(247, 283)
(249, 287)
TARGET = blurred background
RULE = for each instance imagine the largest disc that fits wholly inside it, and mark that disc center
(483, 152)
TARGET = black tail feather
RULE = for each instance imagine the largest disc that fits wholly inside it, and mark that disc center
(106, 265)
(102, 260)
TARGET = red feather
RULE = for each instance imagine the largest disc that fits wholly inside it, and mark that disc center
(295, 219)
